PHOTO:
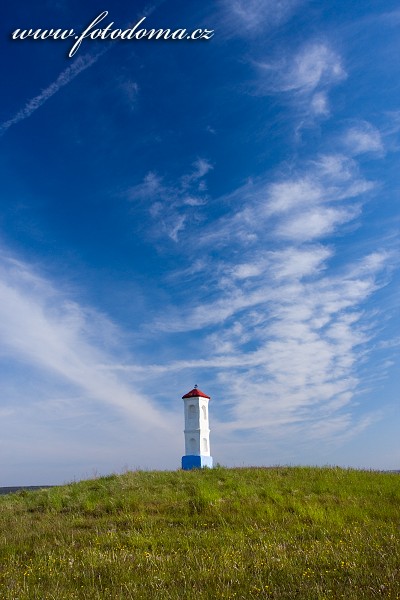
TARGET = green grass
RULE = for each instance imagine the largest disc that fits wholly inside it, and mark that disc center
(296, 533)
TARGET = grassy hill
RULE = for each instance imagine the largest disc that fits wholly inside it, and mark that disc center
(298, 533)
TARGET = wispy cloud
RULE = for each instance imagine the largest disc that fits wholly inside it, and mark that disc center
(130, 92)
(250, 17)
(320, 104)
(41, 328)
(304, 77)
(173, 205)
(308, 331)
(281, 328)
(363, 138)
(201, 167)
(301, 208)
(316, 65)
(315, 223)
(80, 64)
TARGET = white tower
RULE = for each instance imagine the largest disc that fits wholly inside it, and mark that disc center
(197, 431)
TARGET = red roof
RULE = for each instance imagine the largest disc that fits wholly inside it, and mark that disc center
(194, 393)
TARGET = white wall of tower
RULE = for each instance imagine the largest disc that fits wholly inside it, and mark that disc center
(197, 430)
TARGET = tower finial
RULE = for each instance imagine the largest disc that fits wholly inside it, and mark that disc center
(196, 386)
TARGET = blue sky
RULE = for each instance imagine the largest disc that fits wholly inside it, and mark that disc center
(218, 212)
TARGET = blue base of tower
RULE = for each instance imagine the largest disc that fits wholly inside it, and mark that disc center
(192, 461)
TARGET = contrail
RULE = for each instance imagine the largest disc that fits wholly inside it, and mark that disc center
(79, 65)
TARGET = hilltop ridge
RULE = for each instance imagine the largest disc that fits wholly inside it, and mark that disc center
(290, 532)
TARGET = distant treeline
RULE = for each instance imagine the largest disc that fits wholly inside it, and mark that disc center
(11, 490)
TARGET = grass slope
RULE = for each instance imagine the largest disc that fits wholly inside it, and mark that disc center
(303, 533)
